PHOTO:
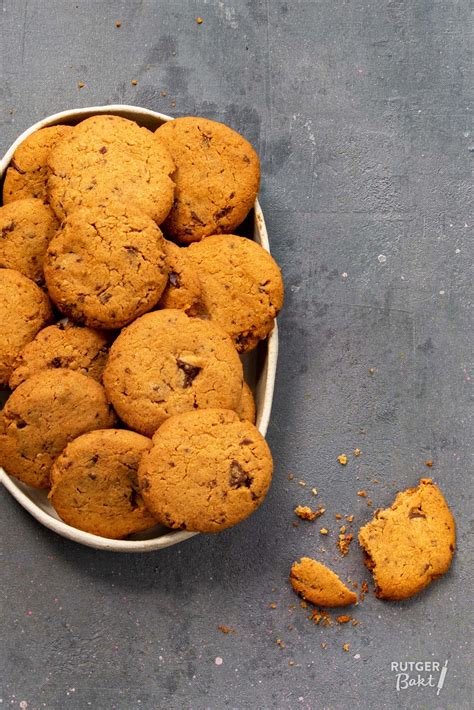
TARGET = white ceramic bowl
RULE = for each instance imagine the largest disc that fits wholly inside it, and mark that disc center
(260, 365)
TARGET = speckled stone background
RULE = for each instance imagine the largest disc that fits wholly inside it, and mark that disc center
(360, 113)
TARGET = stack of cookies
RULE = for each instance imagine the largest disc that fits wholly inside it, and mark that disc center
(125, 304)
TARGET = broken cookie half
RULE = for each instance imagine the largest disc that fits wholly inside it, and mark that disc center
(410, 544)
(319, 585)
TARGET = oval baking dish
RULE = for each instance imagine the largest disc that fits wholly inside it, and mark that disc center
(260, 364)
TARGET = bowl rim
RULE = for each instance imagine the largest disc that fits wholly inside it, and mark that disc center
(16, 488)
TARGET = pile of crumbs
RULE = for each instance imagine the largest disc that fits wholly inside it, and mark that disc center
(306, 513)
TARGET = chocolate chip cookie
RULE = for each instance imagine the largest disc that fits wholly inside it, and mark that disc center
(319, 585)
(63, 345)
(217, 177)
(94, 484)
(28, 171)
(24, 310)
(106, 265)
(42, 415)
(26, 228)
(206, 471)
(108, 157)
(166, 363)
(183, 290)
(241, 287)
(411, 543)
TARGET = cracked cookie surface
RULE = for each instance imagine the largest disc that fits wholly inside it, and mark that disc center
(106, 265)
(94, 485)
(183, 289)
(166, 363)
(42, 415)
(207, 470)
(319, 585)
(24, 310)
(26, 228)
(28, 171)
(411, 543)
(241, 287)
(217, 177)
(111, 157)
(63, 345)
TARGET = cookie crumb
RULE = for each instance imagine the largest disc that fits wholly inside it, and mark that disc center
(429, 463)
(118, 24)
(342, 458)
(344, 541)
(199, 20)
(324, 645)
(369, 502)
(81, 85)
(273, 605)
(134, 82)
(338, 516)
(280, 643)
(314, 491)
(324, 531)
(173, 104)
(357, 452)
(364, 588)
(305, 513)
(371, 370)
(349, 518)
(291, 476)
(345, 647)
(343, 619)
(291, 663)
(302, 483)
(226, 629)
(303, 605)
(362, 494)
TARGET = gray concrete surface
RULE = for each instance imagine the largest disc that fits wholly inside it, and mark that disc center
(360, 112)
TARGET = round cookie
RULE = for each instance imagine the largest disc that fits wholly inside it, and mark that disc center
(183, 289)
(28, 171)
(241, 287)
(42, 415)
(94, 485)
(111, 157)
(411, 543)
(246, 409)
(24, 310)
(166, 363)
(106, 265)
(206, 471)
(26, 228)
(217, 177)
(63, 345)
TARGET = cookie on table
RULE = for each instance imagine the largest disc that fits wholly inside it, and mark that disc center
(28, 171)
(24, 310)
(217, 177)
(166, 363)
(319, 585)
(26, 228)
(241, 286)
(183, 290)
(411, 543)
(111, 157)
(94, 485)
(106, 265)
(42, 415)
(63, 345)
(207, 470)
(246, 409)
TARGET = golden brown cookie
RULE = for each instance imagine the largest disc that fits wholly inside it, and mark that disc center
(411, 543)
(217, 177)
(111, 157)
(94, 484)
(26, 228)
(319, 585)
(28, 171)
(106, 265)
(63, 345)
(206, 471)
(24, 310)
(183, 289)
(246, 409)
(166, 363)
(241, 287)
(42, 415)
